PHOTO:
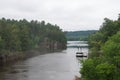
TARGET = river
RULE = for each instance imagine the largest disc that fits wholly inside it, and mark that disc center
(51, 66)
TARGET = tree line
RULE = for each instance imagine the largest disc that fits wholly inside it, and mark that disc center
(79, 35)
(23, 35)
(104, 57)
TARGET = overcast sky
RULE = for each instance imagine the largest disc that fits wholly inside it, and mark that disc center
(70, 15)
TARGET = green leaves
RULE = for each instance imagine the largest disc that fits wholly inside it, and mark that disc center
(111, 49)
(23, 35)
(96, 69)
(88, 69)
(104, 59)
(105, 71)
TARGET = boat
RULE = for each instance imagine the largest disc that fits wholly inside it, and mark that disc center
(80, 54)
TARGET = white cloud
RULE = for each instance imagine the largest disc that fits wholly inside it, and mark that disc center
(68, 14)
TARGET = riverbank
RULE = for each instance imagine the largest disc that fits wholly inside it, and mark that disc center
(12, 57)
(77, 78)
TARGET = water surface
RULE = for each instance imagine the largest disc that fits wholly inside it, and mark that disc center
(51, 66)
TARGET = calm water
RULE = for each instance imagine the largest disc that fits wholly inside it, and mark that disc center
(52, 66)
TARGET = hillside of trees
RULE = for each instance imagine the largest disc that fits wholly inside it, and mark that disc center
(23, 35)
(104, 57)
(79, 35)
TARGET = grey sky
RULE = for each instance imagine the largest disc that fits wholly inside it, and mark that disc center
(70, 15)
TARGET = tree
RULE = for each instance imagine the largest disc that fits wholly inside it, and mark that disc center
(25, 38)
(23, 35)
(88, 70)
(105, 52)
(111, 50)
(15, 38)
(105, 71)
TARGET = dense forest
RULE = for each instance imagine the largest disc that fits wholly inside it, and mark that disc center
(23, 35)
(79, 35)
(104, 57)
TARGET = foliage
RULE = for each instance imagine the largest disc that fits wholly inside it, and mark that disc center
(88, 70)
(104, 56)
(22, 35)
(96, 69)
(112, 50)
(79, 35)
(105, 71)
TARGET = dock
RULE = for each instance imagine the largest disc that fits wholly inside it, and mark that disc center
(80, 54)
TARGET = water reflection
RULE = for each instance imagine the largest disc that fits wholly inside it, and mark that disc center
(52, 66)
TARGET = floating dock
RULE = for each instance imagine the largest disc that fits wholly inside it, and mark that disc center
(80, 54)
